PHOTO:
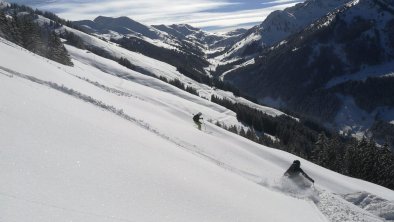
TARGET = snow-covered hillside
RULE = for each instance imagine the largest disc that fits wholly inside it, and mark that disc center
(156, 68)
(279, 25)
(350, 45)
(108, 28)
(179, 37)
(83, 144)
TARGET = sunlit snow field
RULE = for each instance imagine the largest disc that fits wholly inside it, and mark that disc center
(83, 144)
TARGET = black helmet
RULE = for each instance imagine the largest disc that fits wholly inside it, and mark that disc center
(297, 162)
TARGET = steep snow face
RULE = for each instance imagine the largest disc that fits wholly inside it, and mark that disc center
(281, 24)
(82, 144)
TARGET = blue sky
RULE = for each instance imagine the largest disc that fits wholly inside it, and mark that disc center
(212, 15)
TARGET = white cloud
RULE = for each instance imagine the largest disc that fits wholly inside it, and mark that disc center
(232, 19)
(199, 13)
(140, 8)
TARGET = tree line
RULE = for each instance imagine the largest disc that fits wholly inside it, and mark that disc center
(22, 30)
(305, 138)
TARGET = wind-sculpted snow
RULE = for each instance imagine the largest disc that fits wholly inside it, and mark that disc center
(80, 144)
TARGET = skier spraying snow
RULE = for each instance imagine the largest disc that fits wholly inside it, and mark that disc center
(294, 172)
(196, 119)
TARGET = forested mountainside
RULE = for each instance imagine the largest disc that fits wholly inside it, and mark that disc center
(300, 59)
(278, 26)
(182, 46)
(21, 29)
(343, 59)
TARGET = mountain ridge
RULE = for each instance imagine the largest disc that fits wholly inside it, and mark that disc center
(327, 49)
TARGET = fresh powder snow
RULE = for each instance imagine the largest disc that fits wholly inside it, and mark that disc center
(85, 143)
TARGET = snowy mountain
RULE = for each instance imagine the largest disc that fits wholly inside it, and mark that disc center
(155, 68)
(175, 35)
(208, 41)
(280, 25)
(121, 25)
(182, 46)
(105, 137)
(97, 147)
(190, 49)
(333, 70)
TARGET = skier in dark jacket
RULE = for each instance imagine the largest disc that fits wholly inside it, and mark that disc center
(295, 170)
(196, 119)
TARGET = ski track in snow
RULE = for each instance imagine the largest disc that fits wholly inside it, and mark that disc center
(119, 112)
(89, 99)
(333, 207)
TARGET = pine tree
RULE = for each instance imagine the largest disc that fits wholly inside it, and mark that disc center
(73, 39)
(9, 29)
(3, 26)
(31, 39)
(56, 51)
(126, 63)
(251, 135)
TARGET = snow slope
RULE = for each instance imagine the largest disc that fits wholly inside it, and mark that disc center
(83, 144)
(157, 68)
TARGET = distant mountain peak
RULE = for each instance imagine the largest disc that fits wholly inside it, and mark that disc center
(186, 26)
(107, 18)
(118, 21)
(185, 29)
(122, 25)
